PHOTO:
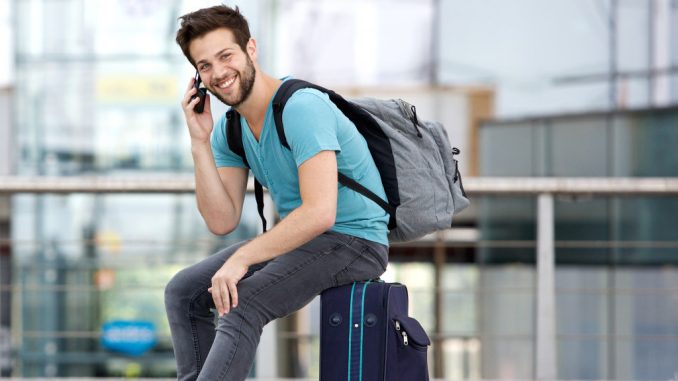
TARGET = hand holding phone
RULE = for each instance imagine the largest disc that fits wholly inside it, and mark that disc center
(202, 92)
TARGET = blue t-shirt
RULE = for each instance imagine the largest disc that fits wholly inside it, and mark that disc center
(312, 124)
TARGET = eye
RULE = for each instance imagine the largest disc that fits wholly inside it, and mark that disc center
(203, 67)
(225, 56)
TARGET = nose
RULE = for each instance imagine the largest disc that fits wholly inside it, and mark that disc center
(220, 72)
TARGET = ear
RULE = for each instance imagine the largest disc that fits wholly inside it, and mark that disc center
(252, 49)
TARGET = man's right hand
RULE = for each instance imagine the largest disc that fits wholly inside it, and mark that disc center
(199, 125)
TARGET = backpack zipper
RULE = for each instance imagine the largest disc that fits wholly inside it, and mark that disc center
(455, 151)
(415, 121)
(411, 112)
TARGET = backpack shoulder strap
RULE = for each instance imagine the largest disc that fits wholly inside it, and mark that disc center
(234, 139)
(377, 141)
(284, 93)
(234, 135)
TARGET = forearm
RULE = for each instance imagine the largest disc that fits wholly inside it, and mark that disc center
(214, 204)
(300, 226)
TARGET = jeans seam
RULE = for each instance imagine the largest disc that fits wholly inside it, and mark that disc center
(194, 330)
(263, 288)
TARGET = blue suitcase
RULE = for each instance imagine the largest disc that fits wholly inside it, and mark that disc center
(366, 335)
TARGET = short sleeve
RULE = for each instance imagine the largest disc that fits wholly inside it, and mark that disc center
(310, 124)
(223, 156)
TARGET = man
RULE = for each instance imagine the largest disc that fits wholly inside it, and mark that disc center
(328, 235)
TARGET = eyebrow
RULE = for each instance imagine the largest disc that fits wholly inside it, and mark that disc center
(217, 54)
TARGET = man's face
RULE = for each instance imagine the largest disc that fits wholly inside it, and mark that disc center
(227, 71)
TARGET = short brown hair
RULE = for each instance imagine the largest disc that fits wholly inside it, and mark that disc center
(199, 23)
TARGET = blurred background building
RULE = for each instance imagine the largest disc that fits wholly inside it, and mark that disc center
(526, 88)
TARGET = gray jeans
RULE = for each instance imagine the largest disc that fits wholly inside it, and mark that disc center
(268, 291)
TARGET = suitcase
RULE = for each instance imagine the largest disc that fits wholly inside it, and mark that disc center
(366, 335)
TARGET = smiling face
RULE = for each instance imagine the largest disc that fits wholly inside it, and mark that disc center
(227, 71)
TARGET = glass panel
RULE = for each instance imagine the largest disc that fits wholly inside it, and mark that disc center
(582, 358)
(654, 143)
(582, 321)
(507, 321)
(462, 359)
(460, 315)
(507, 359)
(579, 147)
(508, 150)
(645, 314)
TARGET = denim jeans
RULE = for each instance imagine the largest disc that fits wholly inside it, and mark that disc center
(268, 291)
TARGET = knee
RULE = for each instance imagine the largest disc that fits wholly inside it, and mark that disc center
(178, 289)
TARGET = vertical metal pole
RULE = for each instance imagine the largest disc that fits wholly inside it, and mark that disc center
(438, 267)
(435, 44)
(650, 52)
(662, 52)
(611, 342)
(439, 249)
(612, 50)
(545, 351)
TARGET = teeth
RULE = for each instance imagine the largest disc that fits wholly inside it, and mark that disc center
(227, 83)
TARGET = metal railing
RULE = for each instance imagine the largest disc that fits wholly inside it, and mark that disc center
(473, 186)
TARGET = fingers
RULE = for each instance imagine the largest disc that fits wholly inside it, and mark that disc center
(225, 297)
(224, 288)
(187, 97)
(217, 296)
(190, 84)
(190, 90)
(234, 294)
(187, 102)
(225, 300)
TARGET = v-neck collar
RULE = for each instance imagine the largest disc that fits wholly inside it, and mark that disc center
(248, 130)
(269, 109)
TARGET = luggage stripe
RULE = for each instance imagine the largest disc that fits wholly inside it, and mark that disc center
(350, 327)
(362, 326)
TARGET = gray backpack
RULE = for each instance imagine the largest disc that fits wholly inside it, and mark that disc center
(415, 160)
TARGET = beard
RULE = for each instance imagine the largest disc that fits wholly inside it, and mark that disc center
(245, 84)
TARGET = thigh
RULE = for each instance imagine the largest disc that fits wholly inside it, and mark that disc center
(292, 280)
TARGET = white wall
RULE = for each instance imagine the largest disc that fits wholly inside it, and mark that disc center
(6, 44)
(6, 84)
(353, 42)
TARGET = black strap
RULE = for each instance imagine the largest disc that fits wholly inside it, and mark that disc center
(356, 186)
(259, 196)
(234, 135)
(234, 139)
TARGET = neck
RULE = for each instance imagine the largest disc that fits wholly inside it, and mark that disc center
(254, 108)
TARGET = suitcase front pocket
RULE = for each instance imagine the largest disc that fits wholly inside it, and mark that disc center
(412, 348)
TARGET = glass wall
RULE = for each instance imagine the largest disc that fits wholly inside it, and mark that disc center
(615, 256)
(99, 90)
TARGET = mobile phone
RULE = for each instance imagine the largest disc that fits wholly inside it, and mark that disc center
(202, 92)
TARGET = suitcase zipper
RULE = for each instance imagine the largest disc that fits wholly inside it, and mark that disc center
(402, 333)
